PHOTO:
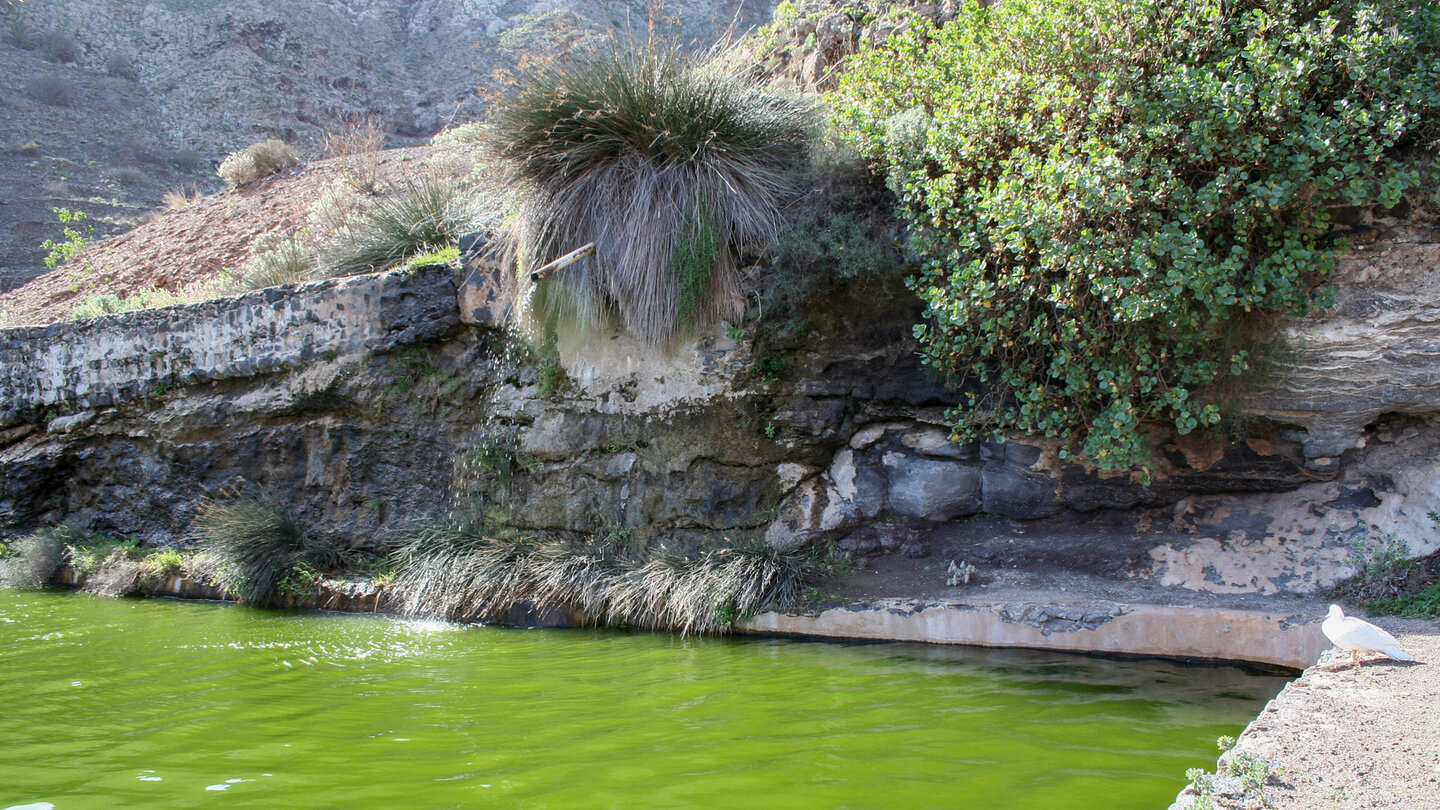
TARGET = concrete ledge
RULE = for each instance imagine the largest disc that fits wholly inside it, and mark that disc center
(1278, 639)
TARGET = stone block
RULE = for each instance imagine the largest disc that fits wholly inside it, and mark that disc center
(932, 490)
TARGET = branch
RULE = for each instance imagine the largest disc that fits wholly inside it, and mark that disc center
(563, 262)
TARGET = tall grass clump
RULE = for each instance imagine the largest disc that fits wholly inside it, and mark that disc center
(420, 216)
(258, 548)
(460, 571)
(672, 163)
(257, 161)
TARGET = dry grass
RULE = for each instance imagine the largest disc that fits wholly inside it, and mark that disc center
(673, 164)
(179, 199)
(356, 145)
(257, 161)
(459, 571)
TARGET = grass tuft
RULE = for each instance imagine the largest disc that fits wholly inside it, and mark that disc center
(259, 548)
(420, 217)
(672, 163)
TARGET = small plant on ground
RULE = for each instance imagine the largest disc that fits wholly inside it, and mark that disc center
(461, 135)
(672, 164)
(444, 256)
(163, 564)
(257, 161)
(120, 66)
(259, 547)
(59, 47)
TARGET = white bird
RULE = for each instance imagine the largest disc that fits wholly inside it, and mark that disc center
(1357, 636)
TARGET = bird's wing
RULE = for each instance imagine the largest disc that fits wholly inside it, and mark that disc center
(1364, 635)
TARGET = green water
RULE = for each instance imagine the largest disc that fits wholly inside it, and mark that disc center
(164, 704)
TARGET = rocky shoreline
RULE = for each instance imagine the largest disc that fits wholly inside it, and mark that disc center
(1341, 737)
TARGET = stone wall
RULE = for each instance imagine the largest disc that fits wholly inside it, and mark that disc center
(50, 371)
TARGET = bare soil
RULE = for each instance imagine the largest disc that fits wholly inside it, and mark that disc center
(176, 249)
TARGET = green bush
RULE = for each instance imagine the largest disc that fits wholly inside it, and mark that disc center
(671, 163)
(1100, 188)
(108, 304)
(257, 161)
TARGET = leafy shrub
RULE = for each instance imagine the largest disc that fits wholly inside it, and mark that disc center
(672, 164)
(50, 88)
(75, 239)
(59, 47)
(120, 66)
(109, 304)
(256, 545)
(461, 135)
(1101, 187)
(257, 161)
(418, 217)
(840, 231)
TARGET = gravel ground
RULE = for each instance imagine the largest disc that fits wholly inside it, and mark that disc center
(1343, 737)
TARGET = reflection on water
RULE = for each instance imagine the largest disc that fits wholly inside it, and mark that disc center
(162, 704)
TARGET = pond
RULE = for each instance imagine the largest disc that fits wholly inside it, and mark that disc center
(161, 703)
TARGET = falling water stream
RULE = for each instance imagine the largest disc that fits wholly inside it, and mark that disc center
(165, 704)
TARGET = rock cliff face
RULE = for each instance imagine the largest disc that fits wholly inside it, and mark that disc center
(398, 397)
(148, 96)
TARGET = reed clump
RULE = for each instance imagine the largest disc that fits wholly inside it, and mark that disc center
(459, 571)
